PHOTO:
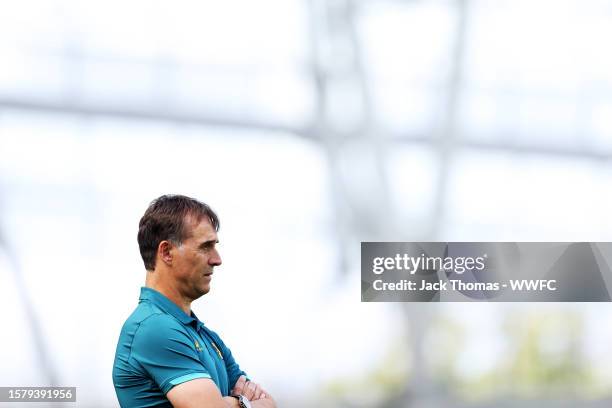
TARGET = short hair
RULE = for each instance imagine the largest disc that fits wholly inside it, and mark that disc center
(165, 219)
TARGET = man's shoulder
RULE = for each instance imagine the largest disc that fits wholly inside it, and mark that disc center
(149, 318)
(148, 330)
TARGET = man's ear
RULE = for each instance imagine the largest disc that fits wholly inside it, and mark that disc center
(164, 252)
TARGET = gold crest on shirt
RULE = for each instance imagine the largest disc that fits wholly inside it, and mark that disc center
(217, 349)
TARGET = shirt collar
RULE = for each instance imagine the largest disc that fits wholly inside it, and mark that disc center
(167, 306)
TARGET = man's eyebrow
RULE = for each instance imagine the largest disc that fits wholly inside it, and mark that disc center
(209, 242)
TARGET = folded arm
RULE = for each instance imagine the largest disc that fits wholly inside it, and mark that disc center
(258, 397)
(203, 392)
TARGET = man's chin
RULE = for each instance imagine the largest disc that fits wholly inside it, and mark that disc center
(200, 291)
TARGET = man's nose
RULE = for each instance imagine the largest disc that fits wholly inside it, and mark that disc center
(215, 259)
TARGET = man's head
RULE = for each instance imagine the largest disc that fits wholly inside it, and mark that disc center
(177, 235)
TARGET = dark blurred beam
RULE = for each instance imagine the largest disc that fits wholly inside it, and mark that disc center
(507, 144)
(143, 113)
(36, 333)
(504, 143)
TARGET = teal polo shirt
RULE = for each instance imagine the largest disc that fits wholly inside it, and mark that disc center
(160, 346)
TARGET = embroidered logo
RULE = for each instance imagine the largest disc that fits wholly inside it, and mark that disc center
(197, 346)
(217, 349)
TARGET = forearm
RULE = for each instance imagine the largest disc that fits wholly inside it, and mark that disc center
(263, 403)
(232, 402)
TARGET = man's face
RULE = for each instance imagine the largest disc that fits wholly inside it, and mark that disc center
(195, 259)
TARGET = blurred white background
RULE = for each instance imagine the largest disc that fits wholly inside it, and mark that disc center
(309, 126)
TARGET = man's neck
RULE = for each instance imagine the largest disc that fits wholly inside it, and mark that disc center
(169, 291)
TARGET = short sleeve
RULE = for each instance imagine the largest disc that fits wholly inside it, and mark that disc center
(163, 349)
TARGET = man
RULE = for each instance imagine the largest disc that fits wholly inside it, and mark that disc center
(165, 355)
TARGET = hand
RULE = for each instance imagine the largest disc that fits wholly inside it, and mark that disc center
(231, 402)
(249, 389)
